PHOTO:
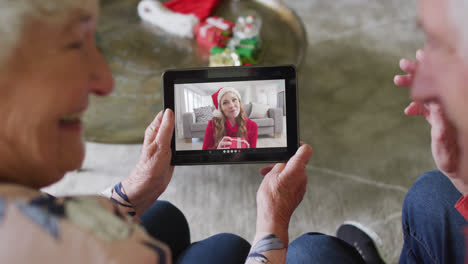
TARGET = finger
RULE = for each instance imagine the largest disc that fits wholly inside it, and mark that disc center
(437, 118)
(414, 109)
(298, 161)
(408, 66)
(166, 129)
(277, 169)
(403, 80)
(420, 54)
(425, 111)
(150, 149)
(267, 169)
(152, 130)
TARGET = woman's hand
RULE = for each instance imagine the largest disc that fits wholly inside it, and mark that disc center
(225, 143)
(281, 191)
(444, 145)
(153, 171)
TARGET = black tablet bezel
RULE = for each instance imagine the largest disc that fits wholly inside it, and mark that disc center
(231, 74)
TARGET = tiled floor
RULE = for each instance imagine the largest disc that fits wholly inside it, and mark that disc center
(367, 153)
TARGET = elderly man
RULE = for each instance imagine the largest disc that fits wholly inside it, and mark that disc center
(433, 228)
(435, 210)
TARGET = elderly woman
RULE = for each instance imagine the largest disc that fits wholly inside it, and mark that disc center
(49, 65)
(230, 126)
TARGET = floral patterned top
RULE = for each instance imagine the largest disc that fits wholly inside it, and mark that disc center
(38, 228)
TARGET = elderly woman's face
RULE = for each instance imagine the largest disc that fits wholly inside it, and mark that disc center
(230, 105)
(45, 88)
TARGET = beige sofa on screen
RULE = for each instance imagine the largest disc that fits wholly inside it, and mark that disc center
(268, 119)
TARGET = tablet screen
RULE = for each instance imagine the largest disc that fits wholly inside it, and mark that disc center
(250, 115)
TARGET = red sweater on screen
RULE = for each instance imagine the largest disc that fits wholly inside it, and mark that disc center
(252, 133)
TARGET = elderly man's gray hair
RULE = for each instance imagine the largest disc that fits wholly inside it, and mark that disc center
(14, 14)
(458, 13)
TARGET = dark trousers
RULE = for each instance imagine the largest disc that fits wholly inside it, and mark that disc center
(432, 230)
(167, 224)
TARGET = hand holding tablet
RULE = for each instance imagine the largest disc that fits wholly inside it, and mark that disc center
(232, 114)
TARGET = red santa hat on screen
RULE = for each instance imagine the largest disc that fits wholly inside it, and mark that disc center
(217, 99)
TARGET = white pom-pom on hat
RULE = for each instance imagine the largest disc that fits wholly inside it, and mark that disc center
(217, 113)
(157, 14)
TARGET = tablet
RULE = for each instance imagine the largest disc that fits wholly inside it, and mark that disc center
(233, 114)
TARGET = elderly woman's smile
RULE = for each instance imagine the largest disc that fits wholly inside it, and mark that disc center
(72, 121)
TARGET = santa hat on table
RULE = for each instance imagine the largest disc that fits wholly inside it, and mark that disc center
(178, 17)
(200, 8)
(217, 99)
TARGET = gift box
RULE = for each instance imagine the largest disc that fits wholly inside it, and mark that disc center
(215, 31)
(224, 57)
(217, 50)
(247, 49)
(239, 143)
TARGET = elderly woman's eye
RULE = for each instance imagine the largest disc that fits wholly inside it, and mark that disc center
(75, 45)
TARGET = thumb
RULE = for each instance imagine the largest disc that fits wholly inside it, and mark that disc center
(298, 161)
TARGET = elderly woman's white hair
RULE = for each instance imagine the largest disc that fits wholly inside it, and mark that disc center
(15, 13)
(458, 13)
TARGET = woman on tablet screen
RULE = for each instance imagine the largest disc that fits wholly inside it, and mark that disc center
(230, 126)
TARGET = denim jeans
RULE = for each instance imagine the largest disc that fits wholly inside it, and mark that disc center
(432, 227)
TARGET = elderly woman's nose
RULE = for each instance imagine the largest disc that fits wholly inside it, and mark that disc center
(102, 82)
